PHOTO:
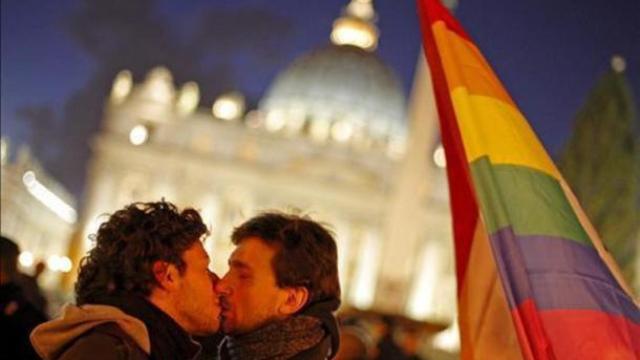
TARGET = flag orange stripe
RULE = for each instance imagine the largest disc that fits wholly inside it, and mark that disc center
(486, 325)
(436, 12)
(465, 66)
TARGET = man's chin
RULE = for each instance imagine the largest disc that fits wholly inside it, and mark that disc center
(208, 332)
(228, 330)
(229, 326)
(226, 326)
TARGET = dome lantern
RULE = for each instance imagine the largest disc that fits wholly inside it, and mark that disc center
(356, 26)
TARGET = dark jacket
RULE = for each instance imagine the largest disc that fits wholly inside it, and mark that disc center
(328, 347)
(32, 292)
(106, 341)
(18, 317)
(96, 331)
(142, 331)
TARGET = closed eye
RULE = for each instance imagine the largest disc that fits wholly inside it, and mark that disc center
(244, 276)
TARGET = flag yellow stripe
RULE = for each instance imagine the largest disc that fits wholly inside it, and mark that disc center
(490, 127)
(464, 65)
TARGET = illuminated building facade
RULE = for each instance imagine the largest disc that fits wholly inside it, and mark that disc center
(37, 213)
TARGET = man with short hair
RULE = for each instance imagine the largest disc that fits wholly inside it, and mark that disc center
(142, 291)
(280, 291)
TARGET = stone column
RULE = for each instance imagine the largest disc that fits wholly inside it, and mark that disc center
(402, 222)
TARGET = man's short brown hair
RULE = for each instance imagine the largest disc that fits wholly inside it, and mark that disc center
(306, 255)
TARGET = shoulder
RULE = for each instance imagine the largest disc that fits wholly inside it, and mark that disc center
(104, 342)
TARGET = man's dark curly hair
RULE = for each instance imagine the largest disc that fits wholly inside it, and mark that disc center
(128, 244)
(307, 254)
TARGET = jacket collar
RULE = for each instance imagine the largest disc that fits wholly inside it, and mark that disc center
(168, 339)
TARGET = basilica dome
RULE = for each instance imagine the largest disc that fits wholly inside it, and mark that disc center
(342, 91)
(339, 85)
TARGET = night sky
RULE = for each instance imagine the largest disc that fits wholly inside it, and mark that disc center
(59, 57)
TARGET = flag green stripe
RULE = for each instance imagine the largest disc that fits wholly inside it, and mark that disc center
(528, 200)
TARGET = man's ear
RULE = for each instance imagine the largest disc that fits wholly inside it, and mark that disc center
(296, 298)
(166, 275)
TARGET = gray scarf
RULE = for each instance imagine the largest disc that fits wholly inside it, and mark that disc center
(275, 341)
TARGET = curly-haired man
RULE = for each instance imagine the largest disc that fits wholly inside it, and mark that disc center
(142, 291)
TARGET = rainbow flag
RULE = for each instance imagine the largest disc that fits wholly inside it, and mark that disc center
(534, 280)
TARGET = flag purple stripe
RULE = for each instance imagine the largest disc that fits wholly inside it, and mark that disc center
(557, 274)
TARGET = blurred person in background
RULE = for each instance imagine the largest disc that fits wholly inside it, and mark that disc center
(142, 291)
(356, 342)
(18, 316)
(387, 348)
(31, 287)
(410, 341)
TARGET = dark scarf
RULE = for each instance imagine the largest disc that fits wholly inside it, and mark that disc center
(168, 339)
(277, 340)
(287, 338)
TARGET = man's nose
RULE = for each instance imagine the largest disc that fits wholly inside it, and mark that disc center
(214, 278)
(222, 287)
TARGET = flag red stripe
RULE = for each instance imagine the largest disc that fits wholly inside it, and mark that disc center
(589, 334)
(463, 202)
(435, 12)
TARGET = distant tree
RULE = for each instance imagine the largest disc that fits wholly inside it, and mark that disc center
(601, 162)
